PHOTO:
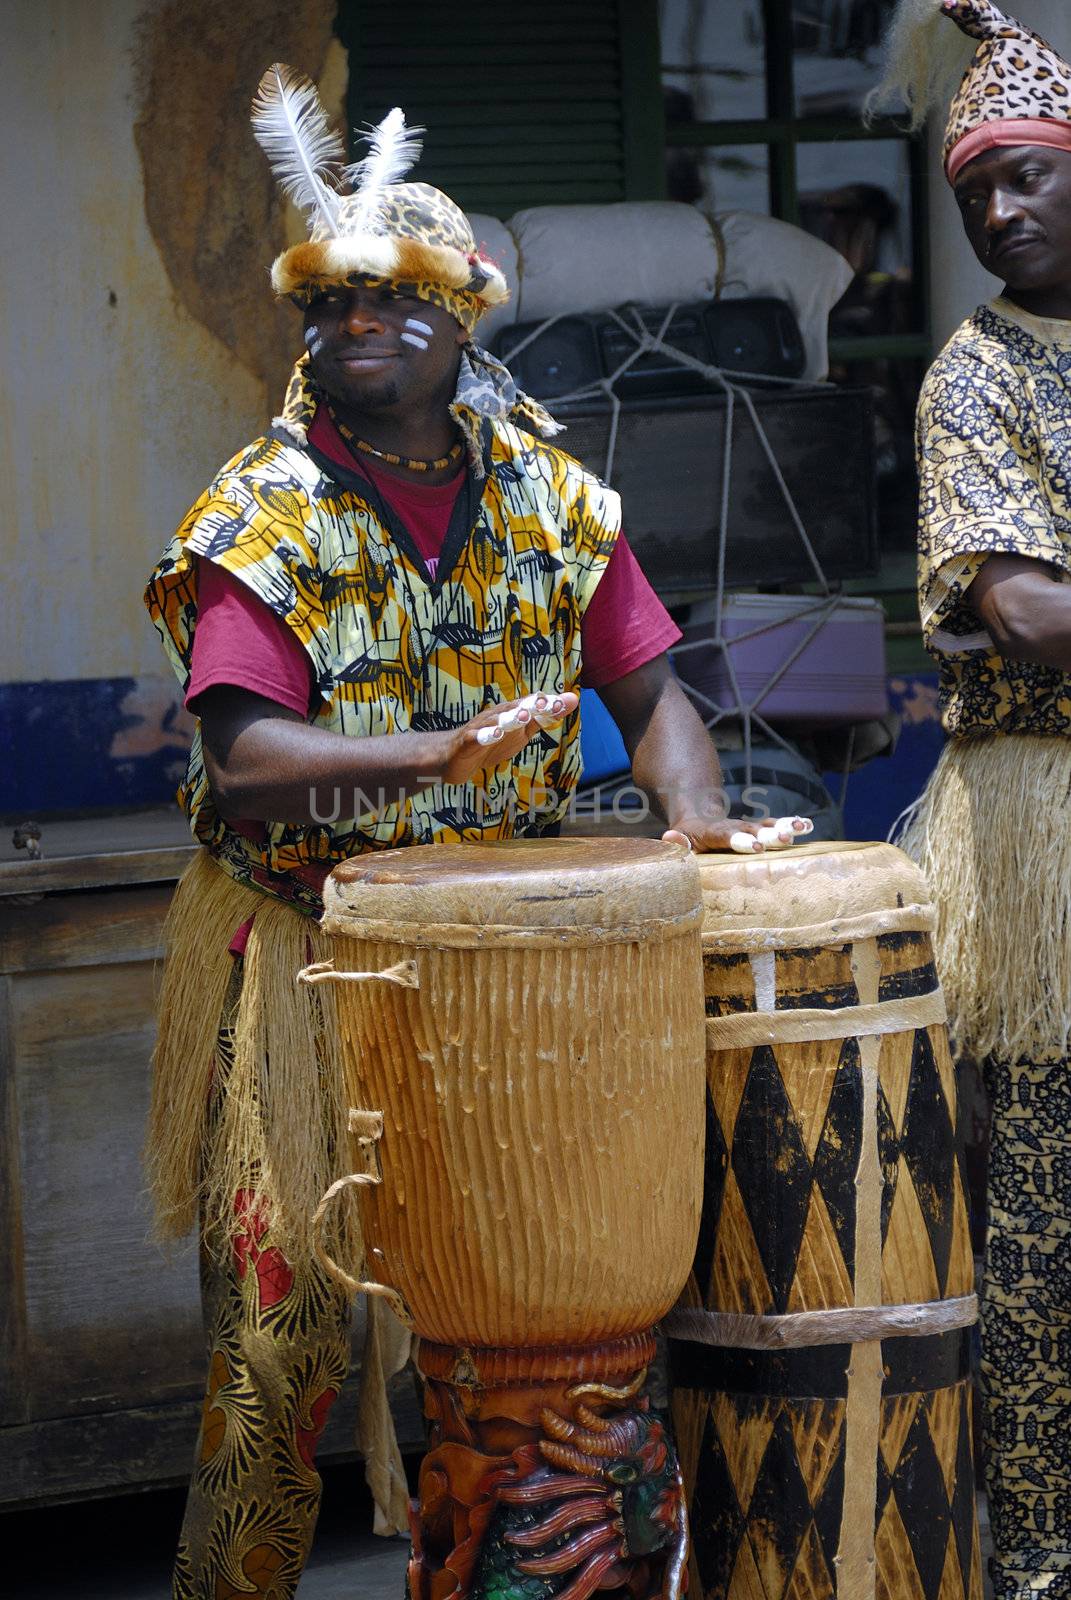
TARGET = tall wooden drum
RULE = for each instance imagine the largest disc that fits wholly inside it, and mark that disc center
(820, 1354)
(523, 1037)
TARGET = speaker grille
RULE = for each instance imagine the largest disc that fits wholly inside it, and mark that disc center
(561, 359)
(755, 336)
(668, 467)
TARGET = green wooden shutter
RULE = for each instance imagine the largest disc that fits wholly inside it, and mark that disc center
(556, 103)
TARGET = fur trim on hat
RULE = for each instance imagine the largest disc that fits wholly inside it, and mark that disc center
(329, 261)
(1012, 76)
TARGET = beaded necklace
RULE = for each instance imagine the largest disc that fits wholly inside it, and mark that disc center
(411, 463)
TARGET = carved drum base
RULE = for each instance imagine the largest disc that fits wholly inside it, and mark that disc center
(548, 1477)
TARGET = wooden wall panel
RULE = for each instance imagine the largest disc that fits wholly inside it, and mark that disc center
(111, 1321)
(90, 929)
(12, 1295)
(101, 1344)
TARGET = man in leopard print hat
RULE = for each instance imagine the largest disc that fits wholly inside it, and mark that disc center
(993, 828)
(376, 230)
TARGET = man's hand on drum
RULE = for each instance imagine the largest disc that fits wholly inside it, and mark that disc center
(497, 734)
(733, 833)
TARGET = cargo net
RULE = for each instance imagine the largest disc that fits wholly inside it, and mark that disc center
(742, 710)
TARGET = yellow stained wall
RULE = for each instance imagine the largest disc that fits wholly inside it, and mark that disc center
(139, 344)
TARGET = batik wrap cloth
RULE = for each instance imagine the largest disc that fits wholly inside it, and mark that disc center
(279, 1353)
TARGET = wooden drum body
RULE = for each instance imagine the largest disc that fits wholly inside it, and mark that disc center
(523, 1039)
(820, 1354)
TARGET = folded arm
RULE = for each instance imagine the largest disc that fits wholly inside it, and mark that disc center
(1026, 609)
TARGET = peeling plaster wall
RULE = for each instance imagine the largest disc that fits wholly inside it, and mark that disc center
(138, 339)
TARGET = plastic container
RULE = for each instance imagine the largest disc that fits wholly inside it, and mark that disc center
(799, 659)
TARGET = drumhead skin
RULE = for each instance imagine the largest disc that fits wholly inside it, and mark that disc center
(809, 893)
(516, 883)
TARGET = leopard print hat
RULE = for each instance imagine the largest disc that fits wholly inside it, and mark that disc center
(421, 241)
(1017, 89)
(364, 222)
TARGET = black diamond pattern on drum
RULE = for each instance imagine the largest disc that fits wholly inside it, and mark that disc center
(739, 979)
(717, 1162)
(829, 1511)
(780, 1509)
(773, 1172)
(928, 1147)
(889, 1156)
(911, 980)
(965, 1136)
(919, 1487)
(836, 1159)
(717, 1522)
(963, 1510)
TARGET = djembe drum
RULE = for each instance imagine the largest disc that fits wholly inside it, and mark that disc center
(820, 1355)
(523, 1036)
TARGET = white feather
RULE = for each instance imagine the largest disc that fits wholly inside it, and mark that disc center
(291, 127)
(925, 57)
(392, 150)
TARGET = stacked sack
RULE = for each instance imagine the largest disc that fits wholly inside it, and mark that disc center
(562, 260)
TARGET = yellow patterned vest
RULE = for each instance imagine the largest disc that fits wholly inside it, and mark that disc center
(392, 649)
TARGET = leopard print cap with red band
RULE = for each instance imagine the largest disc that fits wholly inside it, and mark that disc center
(1016, 90)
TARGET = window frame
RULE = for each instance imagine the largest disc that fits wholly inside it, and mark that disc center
(781, 131)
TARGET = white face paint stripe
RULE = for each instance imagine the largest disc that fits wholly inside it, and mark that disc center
(315, 347)
(414, 338)
(312, 333)
(418, 326)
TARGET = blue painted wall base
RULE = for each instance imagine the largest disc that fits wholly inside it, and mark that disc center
(879, 792)
(91, 744)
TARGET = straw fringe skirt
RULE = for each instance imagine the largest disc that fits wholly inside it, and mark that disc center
(992, 833)
(276, 1130)
(260, 1130)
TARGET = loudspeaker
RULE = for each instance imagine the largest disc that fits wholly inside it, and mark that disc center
(755, 336)
(668, 466)
(758, 336)
(560, 359)
(656, 373)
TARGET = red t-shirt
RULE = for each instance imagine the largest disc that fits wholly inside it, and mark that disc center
(240, 641)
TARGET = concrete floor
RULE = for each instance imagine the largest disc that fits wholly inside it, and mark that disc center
(121, 1549)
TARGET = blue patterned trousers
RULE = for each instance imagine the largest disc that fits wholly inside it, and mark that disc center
(1026, 1329)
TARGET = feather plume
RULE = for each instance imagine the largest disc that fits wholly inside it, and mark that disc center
(305, 152)
(392, 150)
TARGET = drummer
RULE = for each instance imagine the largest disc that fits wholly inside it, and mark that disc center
(381, 612)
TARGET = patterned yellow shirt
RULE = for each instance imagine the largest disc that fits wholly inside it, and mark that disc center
(994, 455)
(393, 650)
